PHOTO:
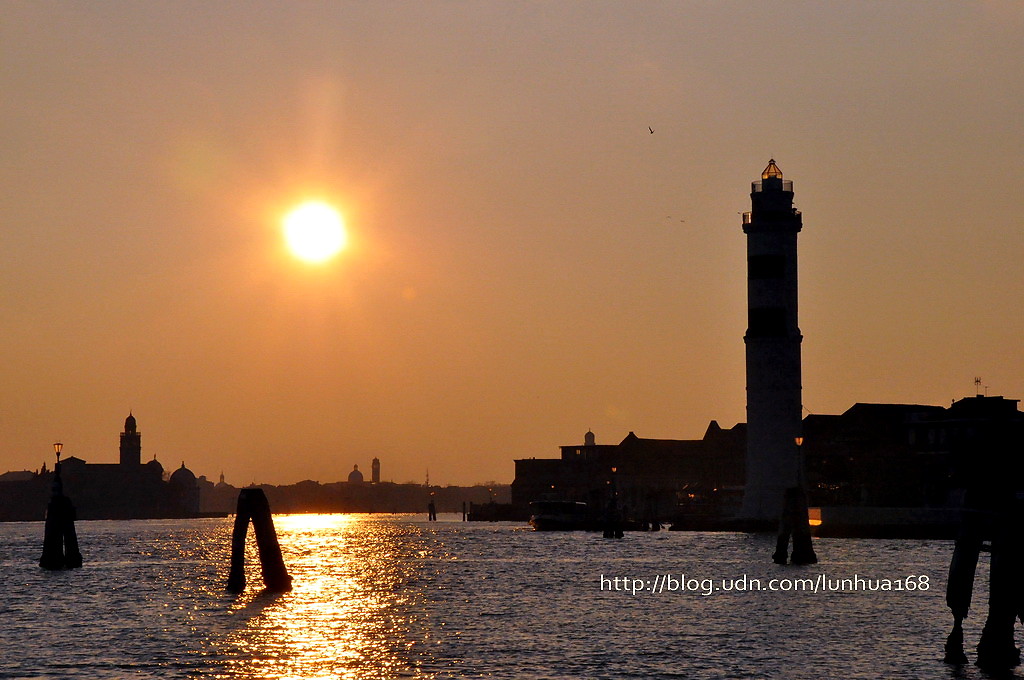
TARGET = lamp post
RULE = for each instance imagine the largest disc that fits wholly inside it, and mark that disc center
(799, 440)
(58, 484)
(794, 521)
(60, 541)
(803, 551)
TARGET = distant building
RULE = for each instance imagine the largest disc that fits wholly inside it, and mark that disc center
(17, 476)
(355, 477)
(309, 496)
(124, 490)
(903, 455)
(375, 471)
(652, 477)
(185, 489)
(871, 455)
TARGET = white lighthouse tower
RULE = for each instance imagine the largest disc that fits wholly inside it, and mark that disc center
(774, 406)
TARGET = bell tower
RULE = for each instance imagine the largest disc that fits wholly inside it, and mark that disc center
(774, 405)
(131, 443)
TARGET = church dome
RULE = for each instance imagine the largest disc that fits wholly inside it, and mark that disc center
(129, 423)
(355, 476)
(155, 465)
(183, 476)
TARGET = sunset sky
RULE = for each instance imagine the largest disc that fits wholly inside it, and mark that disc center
(525, 259)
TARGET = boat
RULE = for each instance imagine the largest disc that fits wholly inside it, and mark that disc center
(559, 516)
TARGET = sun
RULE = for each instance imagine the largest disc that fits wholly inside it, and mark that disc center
(314, 231)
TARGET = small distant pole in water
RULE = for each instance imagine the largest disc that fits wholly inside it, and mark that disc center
(612, 520)
(60, 541)
(253, 506)
(463, 511)
(431, 509)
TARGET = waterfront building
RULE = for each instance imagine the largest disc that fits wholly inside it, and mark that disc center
(909, 455)
(872, 460)
(652, 478)
(127, 489)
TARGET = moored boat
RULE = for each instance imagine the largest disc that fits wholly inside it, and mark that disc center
(559, 516)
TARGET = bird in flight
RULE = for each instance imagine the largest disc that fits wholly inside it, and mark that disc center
(651, 129)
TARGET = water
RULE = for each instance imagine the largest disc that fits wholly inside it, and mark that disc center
(395, 596)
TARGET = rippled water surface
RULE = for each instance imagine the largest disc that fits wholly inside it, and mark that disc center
(396, 596)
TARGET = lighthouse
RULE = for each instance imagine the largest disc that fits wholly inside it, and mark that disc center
(774, 406)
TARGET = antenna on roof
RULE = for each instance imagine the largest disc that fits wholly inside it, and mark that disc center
(977, 386)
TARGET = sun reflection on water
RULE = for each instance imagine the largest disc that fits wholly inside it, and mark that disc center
(349, 614)
(390, 597)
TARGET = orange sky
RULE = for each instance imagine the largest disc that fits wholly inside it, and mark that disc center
(526, 260)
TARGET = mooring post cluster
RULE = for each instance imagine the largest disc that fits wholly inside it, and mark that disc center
(60, 541)
(254, 507)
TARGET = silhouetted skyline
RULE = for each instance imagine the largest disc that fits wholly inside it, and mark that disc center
(526, 259)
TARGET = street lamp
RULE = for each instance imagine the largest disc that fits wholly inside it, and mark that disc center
(58, 485)
(803, 551)
(800, 472)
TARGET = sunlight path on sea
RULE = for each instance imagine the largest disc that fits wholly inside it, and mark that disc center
(351, 613)
(379, 596)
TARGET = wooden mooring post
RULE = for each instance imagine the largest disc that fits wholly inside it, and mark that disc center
(794, 522)
(60, 541)
(253, 506)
